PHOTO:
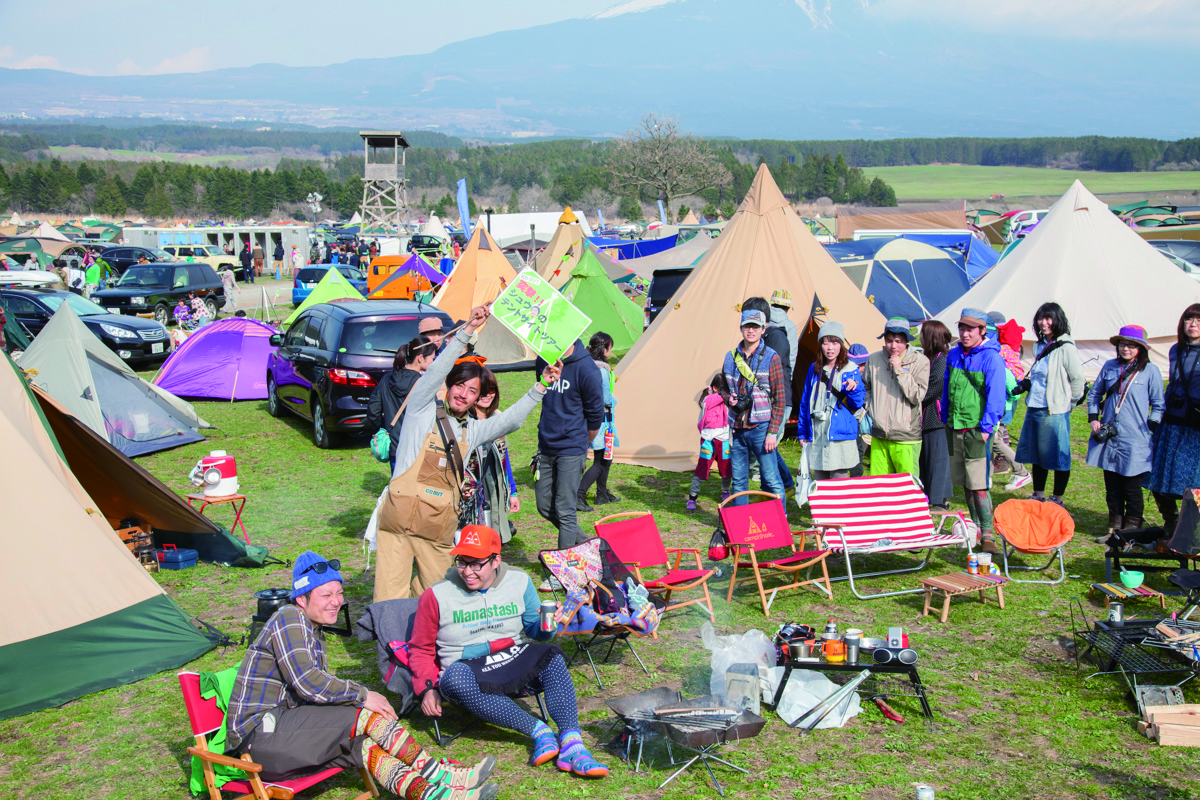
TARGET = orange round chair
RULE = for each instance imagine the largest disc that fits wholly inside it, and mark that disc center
(1034, 526)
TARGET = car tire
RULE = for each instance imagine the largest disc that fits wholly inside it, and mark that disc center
(162, 314)
(211, 305)
(321, 435)
(274, 404)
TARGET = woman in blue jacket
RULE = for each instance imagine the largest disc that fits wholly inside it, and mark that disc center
(833, 391)
(1176, 463)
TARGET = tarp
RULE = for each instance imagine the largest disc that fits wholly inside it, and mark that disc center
(766, 246)
(902, 277)
(333, 286)
(70, 364)
(98, 619)
(683, 255)
(224, 360)
(637, 248)
(593, 292)
(938, 215)
(1104, 275)
(481, 274)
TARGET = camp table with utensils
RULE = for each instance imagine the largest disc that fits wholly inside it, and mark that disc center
(957, 583)
(1115, 591)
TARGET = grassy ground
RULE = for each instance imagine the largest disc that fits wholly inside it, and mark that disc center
(1014, 718)
(952, 181)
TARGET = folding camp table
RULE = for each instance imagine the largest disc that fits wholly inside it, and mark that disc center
(229, 499)
(872, 686)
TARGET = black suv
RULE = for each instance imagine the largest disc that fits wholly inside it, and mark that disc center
(663, 285)
(428, 246)
(131, 338)
(331, 357)
(123, 256)
(155, 288)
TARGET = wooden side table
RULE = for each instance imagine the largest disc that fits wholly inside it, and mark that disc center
(1117, 591)
(957, 583)
(237, 500)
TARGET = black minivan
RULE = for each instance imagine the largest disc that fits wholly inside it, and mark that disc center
(330, 358)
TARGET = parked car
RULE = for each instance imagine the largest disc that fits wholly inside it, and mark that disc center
(1024, 219)
(155, 288)
(26, 277)
(133, 339)
(209, 254)
(121, 257)
(663, 285)
(1188, 268)
(307, 279)
(330, 358)
(1187, 249)
(428, 246)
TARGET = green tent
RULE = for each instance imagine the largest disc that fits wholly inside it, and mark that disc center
(95, 618)
(333, 286)
(593, 293)
(15, 335)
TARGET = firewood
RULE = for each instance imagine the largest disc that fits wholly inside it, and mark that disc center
(1177, 735)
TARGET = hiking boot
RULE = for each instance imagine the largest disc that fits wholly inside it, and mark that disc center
(691, 504)
(1019, 482)
(606, 497)
(1131, 524)
(459, 776)
(581, 504)
(1114, 525)
(436, 791)
(988, 544)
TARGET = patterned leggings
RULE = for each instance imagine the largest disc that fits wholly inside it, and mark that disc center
(458, 683)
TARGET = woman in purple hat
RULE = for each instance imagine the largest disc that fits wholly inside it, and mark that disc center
(1176, 465)
(1125, 406)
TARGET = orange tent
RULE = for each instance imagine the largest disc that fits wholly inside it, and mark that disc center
(766, 246)
(481, 274)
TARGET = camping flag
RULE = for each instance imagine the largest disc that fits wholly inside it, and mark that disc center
(539, 316)
(464, 208)
(600, 214)
(662, 214)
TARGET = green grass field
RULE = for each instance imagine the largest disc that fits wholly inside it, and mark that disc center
(944, 182)
(1015, 719)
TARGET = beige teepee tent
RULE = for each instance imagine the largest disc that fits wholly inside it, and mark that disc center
(481, 274)
(766, 246)
(559, 258)
(1099, 270)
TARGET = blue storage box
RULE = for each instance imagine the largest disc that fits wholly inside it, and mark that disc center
(171, 557)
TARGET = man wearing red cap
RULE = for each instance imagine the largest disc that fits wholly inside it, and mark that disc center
(471, 643)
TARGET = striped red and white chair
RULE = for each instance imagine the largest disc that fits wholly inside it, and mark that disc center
(882, 514)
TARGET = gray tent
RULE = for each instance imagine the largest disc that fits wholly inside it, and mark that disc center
(70, 364)
(502, 349)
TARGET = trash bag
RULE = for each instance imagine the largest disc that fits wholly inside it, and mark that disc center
(804, 479)
(751, 647)
(806, 688)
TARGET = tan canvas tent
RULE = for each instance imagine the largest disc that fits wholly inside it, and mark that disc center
(502, 349)
(559, 258)
(1099, 270)
(481, 274)
(766, 246)
(93, 618)
(929, 215)
(690, 219)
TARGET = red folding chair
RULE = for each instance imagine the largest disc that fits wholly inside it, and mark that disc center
(637, 543)
(205, 718)
(881, 514)
(760, 527)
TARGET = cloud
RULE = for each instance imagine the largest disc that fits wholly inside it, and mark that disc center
(1060, 19)
(194, 60)
(821, 17)
(8, 58)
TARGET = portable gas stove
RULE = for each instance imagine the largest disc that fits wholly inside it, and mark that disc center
(702, 725)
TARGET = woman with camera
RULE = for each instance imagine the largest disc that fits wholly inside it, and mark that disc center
(1124, 409)
(1176, 463)
(833, 391)
(1054, 385)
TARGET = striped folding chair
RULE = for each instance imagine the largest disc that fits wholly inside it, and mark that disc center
(882, 514)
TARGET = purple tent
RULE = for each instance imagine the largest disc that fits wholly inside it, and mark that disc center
(224, 360)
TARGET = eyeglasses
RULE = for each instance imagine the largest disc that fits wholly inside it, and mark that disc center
(473, 566)
(321, 566)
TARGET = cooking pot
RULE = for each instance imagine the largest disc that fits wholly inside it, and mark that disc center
(270, 601)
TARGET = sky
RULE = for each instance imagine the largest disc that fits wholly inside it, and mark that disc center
(119, 37)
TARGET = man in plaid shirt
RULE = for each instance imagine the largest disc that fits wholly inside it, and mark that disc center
(292, 716)
(755, 371)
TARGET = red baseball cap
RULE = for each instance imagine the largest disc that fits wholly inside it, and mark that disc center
(477, 541)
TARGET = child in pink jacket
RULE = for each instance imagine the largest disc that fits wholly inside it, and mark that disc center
(714, 439)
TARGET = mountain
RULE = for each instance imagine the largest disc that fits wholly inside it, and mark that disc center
(745, 68)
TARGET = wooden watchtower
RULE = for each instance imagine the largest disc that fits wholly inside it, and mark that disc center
(385, 197)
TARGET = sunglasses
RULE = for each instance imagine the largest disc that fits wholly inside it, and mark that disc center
(474, 566)
(321, 566)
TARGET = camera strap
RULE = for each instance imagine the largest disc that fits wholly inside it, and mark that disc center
(1187, 388)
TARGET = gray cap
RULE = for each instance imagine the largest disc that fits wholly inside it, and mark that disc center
(996, 318)
(834, 329)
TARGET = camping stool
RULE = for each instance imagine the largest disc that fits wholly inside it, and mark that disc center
(1116, 591)
(206, 501)
(957, 583)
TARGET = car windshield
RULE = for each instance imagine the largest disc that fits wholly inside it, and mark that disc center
(84, 308)
(377, 336)
(162, 255)
(147, 276)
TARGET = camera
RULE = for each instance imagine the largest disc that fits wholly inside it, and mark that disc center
(1107, 431)
(1023, 386)
(1175, 400)
(743, 405)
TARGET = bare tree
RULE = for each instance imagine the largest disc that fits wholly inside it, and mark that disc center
(656, 158)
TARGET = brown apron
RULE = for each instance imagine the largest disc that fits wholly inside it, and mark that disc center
(423, 500)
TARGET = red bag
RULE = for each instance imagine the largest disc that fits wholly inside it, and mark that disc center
(718, 545)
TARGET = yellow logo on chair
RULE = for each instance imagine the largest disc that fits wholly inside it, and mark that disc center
(754, 530)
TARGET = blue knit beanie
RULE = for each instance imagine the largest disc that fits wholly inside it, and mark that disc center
(304, 580)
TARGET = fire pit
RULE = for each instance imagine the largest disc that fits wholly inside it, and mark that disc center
(701, 725)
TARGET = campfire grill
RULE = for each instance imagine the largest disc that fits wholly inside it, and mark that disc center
(701, 725)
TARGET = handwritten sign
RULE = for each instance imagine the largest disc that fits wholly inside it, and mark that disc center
(539, 316)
